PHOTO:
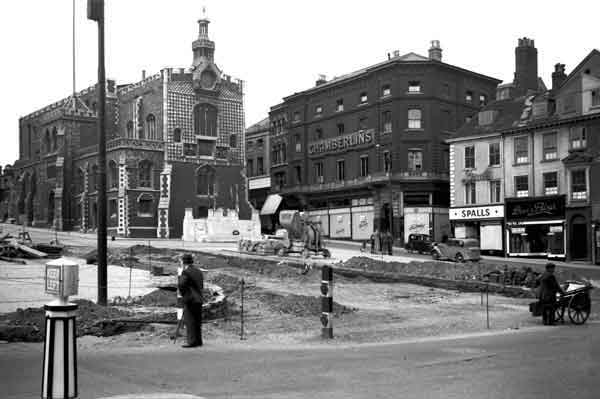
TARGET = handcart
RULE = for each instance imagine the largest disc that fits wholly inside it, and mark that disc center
(575, 301)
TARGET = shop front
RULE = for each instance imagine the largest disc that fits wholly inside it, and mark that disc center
(485, 223)
(426, 220)
(535, 227)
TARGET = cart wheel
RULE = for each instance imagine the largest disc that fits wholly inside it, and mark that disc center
(559, 314)
(326, 253)
(579, 308)
(459, 258)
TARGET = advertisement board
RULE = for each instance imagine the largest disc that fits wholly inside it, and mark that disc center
(362, 222)
(415, 223)
(339, 223)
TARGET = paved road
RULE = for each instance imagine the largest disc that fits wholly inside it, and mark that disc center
(543, 362)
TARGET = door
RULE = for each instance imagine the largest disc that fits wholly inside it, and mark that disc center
(579, 245)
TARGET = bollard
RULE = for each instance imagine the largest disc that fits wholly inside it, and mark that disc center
(327, 302)
(60, 347)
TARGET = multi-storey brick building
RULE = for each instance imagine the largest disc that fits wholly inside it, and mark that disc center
(258, 162)
(366, 150)
(521, 171)
(175, 141)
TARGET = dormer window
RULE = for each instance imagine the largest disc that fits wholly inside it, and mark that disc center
(414, 86)
(363, 97)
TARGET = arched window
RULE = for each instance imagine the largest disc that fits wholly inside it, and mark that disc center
(151, 127)
(94, 178)
(54, 139)
(177, 135)
(80, 181)
(145, 202)
(205, 120)
(113, 174)
(145, 174)
(233, 141)
(205, 181)
(130, 129)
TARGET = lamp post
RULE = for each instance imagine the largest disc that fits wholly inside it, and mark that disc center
(95, 9)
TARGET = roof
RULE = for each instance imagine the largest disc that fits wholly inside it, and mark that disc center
(406, 58)
(576, 70)
(259, 126)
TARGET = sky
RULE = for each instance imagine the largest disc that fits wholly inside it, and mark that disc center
(277, 47)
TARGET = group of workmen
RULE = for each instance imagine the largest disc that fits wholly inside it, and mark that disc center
(382, 242)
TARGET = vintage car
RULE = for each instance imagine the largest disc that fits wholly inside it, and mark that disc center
(420, 243)
(457, 249)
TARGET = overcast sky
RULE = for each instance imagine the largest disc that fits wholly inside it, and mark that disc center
(277, 47)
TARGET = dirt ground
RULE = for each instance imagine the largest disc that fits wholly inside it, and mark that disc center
(282, 304)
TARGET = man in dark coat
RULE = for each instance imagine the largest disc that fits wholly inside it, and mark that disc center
(549, 287)
(191, 285)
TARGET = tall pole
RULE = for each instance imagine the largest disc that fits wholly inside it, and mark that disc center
(74, 83)
(96, 13)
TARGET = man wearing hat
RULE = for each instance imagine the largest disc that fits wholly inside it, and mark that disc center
(191, 286)
(549, 287)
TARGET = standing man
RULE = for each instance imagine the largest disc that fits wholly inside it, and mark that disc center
(549, 287)
(191, 286)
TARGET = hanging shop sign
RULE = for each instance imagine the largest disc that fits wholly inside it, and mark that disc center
(341, 143)
(540, 208)
(477, 212)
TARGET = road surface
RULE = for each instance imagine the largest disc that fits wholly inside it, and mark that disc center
(542, 362)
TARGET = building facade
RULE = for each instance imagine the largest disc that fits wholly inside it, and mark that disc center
(258, 162)
(179, 126)
(522, 171)
(366, 150)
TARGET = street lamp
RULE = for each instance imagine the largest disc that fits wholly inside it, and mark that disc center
(95, 9)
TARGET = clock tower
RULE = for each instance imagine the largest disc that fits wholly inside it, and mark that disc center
(206, 74)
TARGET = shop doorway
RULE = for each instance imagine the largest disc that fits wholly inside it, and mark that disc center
(579, 244)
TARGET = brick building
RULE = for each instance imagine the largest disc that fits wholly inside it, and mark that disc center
(174, 141)
(366, 150)
(522, 171)
(258, 163)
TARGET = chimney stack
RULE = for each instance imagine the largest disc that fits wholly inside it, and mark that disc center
(143, 74)
(435, 52)
(526, 66)
(558, 76)
(321, 80)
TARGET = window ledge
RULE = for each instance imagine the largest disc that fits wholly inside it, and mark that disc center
(414, 93)
(494, 166)
(549, 160)
(414, 130)
(521, 164)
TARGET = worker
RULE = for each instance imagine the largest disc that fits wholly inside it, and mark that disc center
(549, 287)
(389, 242)
(375, 242)
(191, 286)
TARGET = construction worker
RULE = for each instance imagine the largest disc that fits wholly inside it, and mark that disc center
(549, 287)
(191, 286)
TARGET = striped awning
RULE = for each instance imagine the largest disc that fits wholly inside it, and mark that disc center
(271, 204)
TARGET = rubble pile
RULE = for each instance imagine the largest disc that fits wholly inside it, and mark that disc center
(297, 305)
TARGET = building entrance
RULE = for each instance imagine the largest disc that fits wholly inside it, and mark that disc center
(579, 243)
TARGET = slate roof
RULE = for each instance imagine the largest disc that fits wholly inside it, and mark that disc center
(257, 127)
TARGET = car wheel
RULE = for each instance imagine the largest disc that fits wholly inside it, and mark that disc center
(459, 258)
(435, 255)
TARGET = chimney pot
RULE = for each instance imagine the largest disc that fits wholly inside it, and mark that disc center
(558, 76)
(435, 52)
(143, 74)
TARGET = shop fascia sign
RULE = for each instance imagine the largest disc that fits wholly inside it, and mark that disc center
(477, 212)
(472, 176)
(341, 143)
(537, 208)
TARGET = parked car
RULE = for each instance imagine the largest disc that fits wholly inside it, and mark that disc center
(457, 249)
(420, 243)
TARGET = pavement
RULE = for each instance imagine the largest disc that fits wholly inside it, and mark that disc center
(540, 362)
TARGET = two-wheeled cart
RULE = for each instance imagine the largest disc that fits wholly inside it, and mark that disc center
(575, 301)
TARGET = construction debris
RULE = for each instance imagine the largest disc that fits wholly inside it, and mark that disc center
(21, 247)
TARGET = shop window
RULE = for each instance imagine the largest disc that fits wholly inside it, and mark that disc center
(522, 186)
(470, 157)
(341, 170)
(550, 183)
(249, 167)
(339, 105)
(470, 193)
(151, 127)
(386, 120)
(205, 181)
(521, 149)
(414, 86)
(578, 138)
(387, 162)
(318, 172)
(495, 191)
(362, 123)
(260, 169)
(364, 165)
(145, 205)
(578, 185)
(340, 129)
(415, 160)
(145, 174)
(113, 174)
(414, 118)
(550, 147)
(494, 149)
(363, 97)
(177, 135)
(386, 90)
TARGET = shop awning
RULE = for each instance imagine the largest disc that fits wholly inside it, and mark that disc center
(271, 204)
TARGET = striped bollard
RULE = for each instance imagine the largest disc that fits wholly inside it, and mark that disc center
(327, 302)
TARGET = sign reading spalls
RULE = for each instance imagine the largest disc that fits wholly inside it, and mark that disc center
(341, 143)
(477, 212)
